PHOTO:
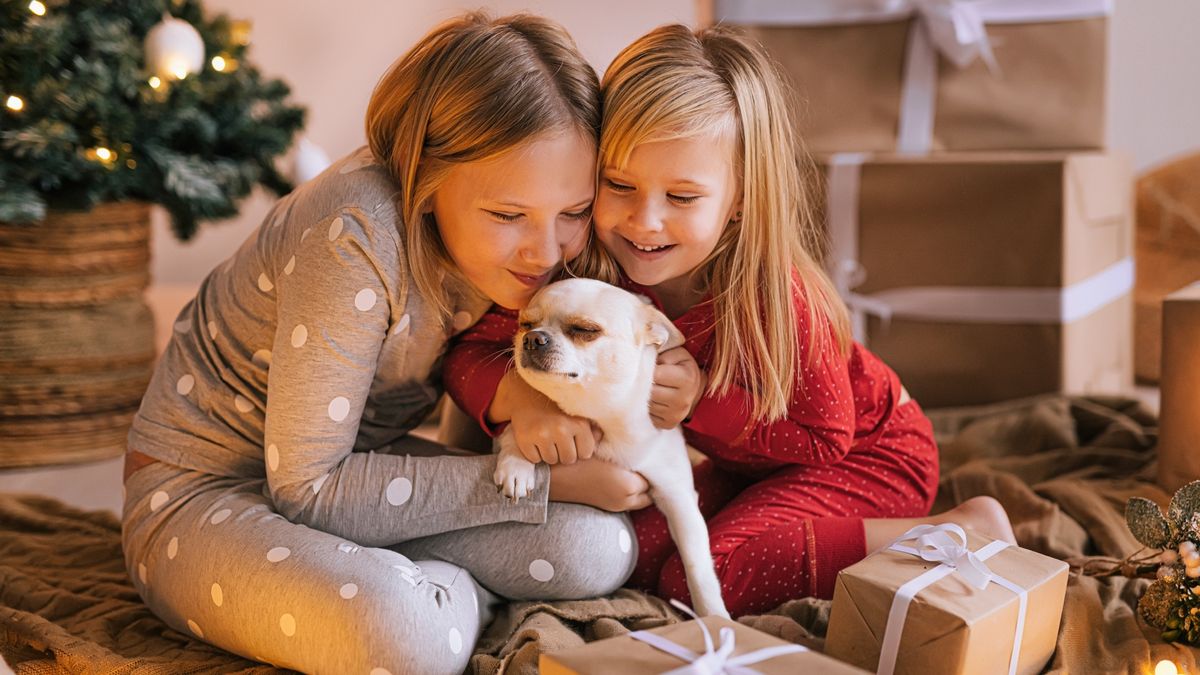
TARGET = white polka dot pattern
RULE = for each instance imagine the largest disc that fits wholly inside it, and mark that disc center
(299, 336)
(287, 624)
(348, 591)
(399, 491)
(173, 548)
(158, 499)
(273, 457)
(264, 283)
(335, 228)
(339, 408)
(278, 554)
(541, 570)
(364, 300)
(185, 384)
(218, 595)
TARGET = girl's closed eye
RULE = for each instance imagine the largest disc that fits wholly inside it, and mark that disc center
(582, 214)
(682, 199)
(504, 217)
(617, 187)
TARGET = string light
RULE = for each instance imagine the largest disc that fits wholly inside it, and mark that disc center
(37, 7)
(218, 63)
(155, 83)
(1166, 667)
(103, 155)
(15, 103)
(179, 70)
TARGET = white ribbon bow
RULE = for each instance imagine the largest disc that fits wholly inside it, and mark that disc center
(713, 661)
(957, 30)
(935, 545)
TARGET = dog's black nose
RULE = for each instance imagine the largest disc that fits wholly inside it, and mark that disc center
(536, 340)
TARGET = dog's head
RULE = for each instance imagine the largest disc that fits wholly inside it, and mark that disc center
(587, 345)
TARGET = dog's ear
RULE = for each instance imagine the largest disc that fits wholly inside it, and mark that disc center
(660, 332)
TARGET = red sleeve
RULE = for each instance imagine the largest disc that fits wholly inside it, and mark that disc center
(819, 426)
(477, 361)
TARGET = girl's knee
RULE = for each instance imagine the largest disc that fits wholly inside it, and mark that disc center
(592, 553)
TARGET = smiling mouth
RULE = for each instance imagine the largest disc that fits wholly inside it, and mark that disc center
(531, 280)
(649, 249)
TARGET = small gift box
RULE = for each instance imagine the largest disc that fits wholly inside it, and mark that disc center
(939, 600)
(916, 76)
(983, 277)
(689, 648)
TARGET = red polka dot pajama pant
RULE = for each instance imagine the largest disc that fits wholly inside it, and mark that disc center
(787, 535)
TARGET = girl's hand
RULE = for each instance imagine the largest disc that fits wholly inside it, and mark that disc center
(678, 385)
(543, 432)
(601, 484)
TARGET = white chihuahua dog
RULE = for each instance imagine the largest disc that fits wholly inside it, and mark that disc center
(591, 348)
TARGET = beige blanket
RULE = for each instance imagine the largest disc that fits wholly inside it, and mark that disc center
(1062, 467)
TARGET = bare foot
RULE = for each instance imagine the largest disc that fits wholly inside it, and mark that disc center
(985, 515)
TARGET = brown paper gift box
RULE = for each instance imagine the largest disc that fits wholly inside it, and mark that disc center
(997, 220)
(628, 656)
(1048, 92)
(951, 626)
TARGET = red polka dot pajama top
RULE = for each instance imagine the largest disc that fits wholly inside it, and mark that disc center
(784, 500)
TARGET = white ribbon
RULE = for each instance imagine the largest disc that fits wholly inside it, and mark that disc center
(935, 544)
(957, 304)
(954, 28)
(712, 661)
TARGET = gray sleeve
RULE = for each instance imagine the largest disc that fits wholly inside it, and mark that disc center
(333, 312)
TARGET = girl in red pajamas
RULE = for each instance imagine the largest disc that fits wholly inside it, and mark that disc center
(816, 453)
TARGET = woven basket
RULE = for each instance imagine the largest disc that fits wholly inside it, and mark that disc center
(76, 337)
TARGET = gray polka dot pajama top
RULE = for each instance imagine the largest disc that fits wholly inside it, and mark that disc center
(280, 414)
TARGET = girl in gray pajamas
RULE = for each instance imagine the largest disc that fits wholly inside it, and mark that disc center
(276, 505)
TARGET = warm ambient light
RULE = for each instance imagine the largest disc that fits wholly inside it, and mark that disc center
(14, 103)
(37, 8)
(155, 83)
(1166, 667)
(104, 154)
(218, 63)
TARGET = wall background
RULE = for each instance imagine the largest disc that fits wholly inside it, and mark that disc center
(332, 53)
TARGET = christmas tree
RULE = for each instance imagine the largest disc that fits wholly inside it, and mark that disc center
(106, 100)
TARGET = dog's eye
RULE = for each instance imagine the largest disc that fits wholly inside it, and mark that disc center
(525, 325)
(583, 332)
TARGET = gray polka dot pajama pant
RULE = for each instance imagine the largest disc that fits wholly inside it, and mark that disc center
(214, 559)
(290, 517)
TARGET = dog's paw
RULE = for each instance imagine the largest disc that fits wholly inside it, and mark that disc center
(515, 476)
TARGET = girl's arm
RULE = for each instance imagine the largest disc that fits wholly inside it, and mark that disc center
(335, 307)
(820, 423)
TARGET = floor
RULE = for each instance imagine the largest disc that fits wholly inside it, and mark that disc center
(97, 485)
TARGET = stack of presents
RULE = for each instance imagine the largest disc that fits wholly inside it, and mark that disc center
(982, 237)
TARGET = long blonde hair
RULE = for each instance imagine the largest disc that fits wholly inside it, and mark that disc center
(471, 89)
(675, 83)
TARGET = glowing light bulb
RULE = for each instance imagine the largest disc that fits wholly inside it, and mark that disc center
(218, 63)
(155, 83)
(104, 154)
(15, 103)
(37, 8)
(1166, 667)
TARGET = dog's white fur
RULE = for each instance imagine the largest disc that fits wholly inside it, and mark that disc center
(593, 352)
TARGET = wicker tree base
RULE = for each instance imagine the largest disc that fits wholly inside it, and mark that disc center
(76, 337)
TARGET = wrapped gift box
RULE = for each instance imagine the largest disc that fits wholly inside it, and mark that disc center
(950, 626)
(900, 75)
(627, 655)
(1005, 274)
